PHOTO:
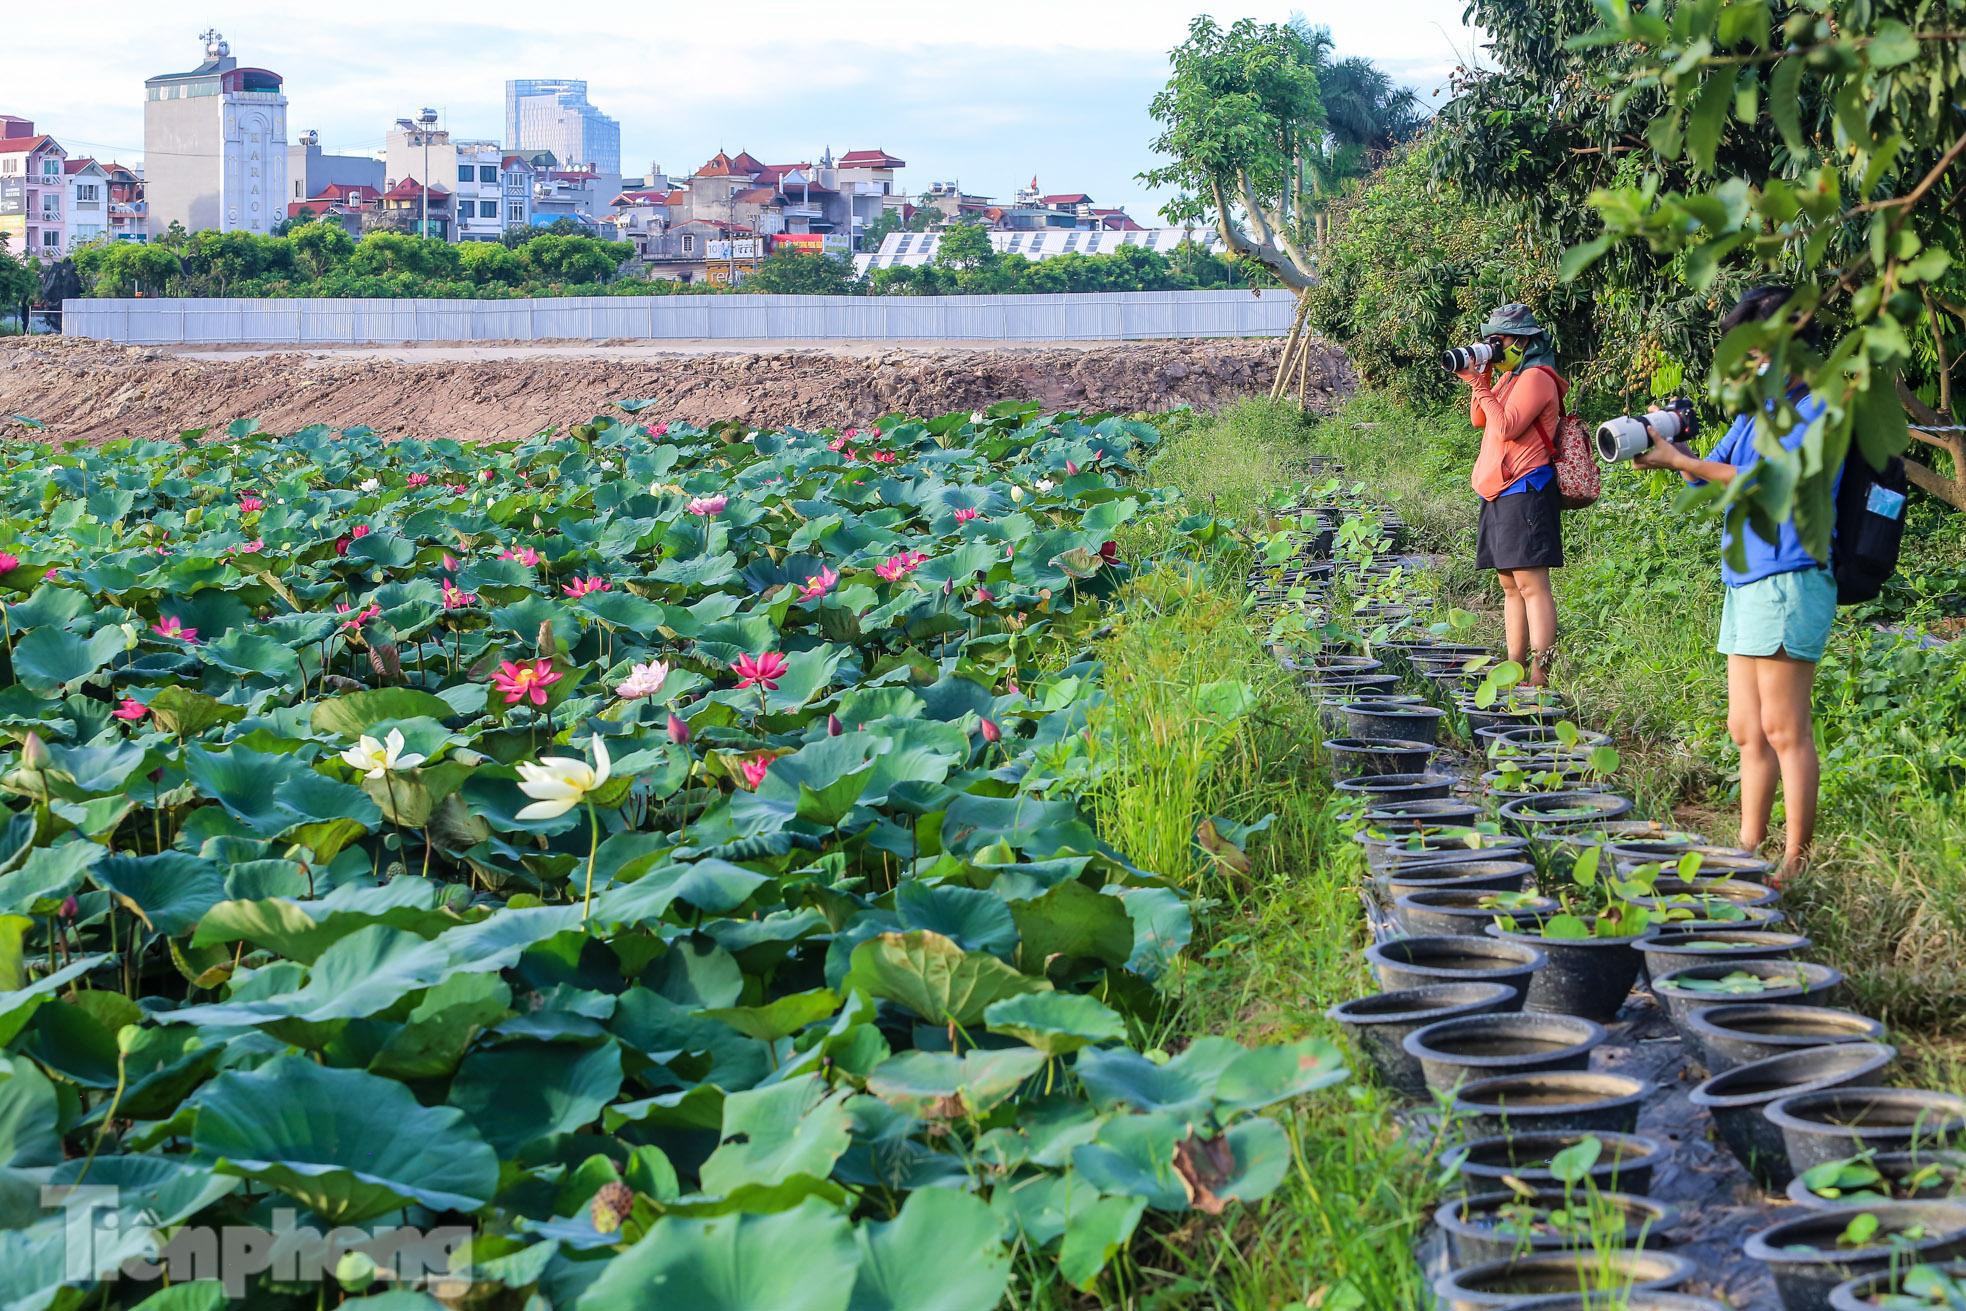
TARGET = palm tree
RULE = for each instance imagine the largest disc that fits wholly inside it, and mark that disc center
(1366, 113)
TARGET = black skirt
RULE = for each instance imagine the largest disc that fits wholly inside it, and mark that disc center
(1521, 531)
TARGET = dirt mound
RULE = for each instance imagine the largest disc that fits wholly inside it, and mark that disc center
(98, 391)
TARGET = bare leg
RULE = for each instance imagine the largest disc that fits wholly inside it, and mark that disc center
(1785, 685)
(1515, 621)
(1539, 606)
(1759, 765)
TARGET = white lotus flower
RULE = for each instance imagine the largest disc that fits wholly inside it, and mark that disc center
(559, 783)
(371, 484)
(976, 416)
(1016, 493)
(1044, 484)
(374, 759)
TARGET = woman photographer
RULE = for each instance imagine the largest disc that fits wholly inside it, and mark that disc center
(1520, 537)
(1776, 619)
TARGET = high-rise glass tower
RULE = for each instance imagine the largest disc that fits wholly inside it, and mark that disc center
(552, 113)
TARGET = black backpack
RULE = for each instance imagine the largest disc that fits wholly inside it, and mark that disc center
(1870, 526)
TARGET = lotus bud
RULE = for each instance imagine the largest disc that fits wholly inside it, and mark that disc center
(1071, 466)
(991, 733)
(678, 730)
(1017, 493)
(355, 1271)
(127, 1038)
(69, 907)
(833, 726)
(34, 752)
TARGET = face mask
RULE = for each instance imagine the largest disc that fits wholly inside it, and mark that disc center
(1512, 356)
(1762, 367)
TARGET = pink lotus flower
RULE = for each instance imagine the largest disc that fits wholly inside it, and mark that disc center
(642, 680)
(678, 729)
(965, 514)
(984, 596)
(253, 547)
(1071, 466)
(659, 429)
(582, 586)
(842, 441)
(456, 598)
(851, 433)
(850, 453)
(764, 669)
(525, 555)
(356, 617)
(340, 545)
(450, 563)
(131, 710)
(10, 562)
(1010, 686)
(457, 489)
(708, 506)
(361, 530)
(755, 770)
(417, 479)
(991, 733)
(833, 726)
(170, 626)
(484, 475)
(883, 457)
(817, 585)
(52, 575)
(900, 566)
(249, 503)
(523, 682)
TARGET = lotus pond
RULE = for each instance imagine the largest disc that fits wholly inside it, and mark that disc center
(654, 854)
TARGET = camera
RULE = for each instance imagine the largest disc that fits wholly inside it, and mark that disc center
(1458, 359)
(1626, 436)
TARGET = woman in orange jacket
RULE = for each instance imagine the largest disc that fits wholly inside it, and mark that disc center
(1521, 536)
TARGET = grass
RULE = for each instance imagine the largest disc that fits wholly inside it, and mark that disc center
(1639, 606)
(1204, 726)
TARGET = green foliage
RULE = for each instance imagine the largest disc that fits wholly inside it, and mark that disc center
(792, 272)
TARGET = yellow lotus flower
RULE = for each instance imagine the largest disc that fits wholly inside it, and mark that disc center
(559, 783)
(374, 759)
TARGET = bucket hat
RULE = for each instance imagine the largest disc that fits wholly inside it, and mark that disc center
(1514, 320)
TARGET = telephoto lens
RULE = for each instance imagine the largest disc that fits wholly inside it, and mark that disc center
(1457, 359)
(1626, 436)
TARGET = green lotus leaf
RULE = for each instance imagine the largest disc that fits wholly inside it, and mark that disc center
(973, 919)
(439, 1030)
(1133, 1155)
(345, 1143)
(1185, 1085)
(1093, 1236)
(169, 891)
(515, 1094)
(48, 875)
(734, 1263)
(1056, 1023)
(350, 716)
(1268, 1075)
(1074, 921)
(771, 1134)
(944, 1086)
(173, 1189)
(187, 713)
(935, 978)
(37, 1262)
(48, 659)
(941, 1253)
(780, 1018)
(241, 652)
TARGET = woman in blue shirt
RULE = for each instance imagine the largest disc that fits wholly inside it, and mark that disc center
(1774, 625)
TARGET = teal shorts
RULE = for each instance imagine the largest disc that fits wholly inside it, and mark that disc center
(1789, 613)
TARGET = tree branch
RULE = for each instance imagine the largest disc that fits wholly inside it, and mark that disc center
(1260, 248)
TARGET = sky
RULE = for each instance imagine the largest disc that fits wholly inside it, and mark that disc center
(986, 95)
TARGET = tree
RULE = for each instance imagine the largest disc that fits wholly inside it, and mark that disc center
(390, 253)
(796, 273)
(126, 268)
(890, 220)
(964, 247)
(18, 283)
(555, 258)
(489, 264)
(1819, 144)
(319, 247)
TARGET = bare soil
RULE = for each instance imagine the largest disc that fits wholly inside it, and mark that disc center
(97, 391)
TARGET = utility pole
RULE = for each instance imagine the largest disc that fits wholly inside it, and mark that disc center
(427, 120)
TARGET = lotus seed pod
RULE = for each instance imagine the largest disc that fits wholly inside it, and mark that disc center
(127, 1038)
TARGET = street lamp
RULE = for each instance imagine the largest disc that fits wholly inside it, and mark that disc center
(427, 120)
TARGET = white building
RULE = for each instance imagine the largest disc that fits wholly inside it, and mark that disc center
(88, 200)
(914, 248)
(480, 191)
(215, 145)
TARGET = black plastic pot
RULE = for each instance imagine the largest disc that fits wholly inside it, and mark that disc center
(1484, 876)
(1947, 1185)
(1807, 1261)
(1554, 1101)
(1350, 687)
(1739, 1098)
(1416, 962)
(1479, 719)
(1354, 664)
(1625, 1164)
(1565, 845)
(1831, 1123)
(1425, 850)
(1441, 812)
(1715, 861)
(1476, 1232)
(1866, 1292)
(1360, 757)
(1380, 1023)
(1398, 787)
(1515, 1282)
(1708, 899)
(1749, 917)
(1555, 812)
(1667, 948)
(1459, 909)
(1817, 985)
(1403, 721)
(1538, 739)
(1590, 977)
(1457, 1051)
(1726, 1036)
(1652, 1301)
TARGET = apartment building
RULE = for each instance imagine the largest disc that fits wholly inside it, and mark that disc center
(215, 145)
(33, 190)
(312, 170)
(553, 113)
(88, 201)
(480, 191)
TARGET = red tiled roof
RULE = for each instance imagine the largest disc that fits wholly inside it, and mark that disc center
(642, 197)
(1072, 198)
(514, 161)
(756, 196)
(411, 189)
(17, 145)
(721, 165)
(353, 192)
(871, 159)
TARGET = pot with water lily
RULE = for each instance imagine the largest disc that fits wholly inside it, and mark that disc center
(1922, 1287)
(1811, 1254)
(1869, 1177)
(1592, 945)
(1502, 700)
(1690, 989)
(1571, 1213)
